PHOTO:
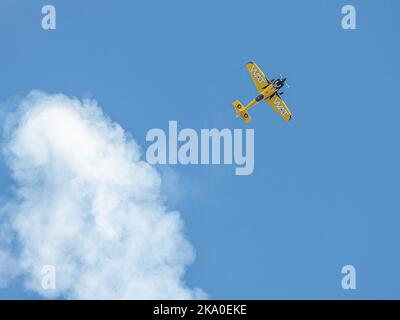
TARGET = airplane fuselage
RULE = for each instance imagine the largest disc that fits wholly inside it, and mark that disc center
(269, 91)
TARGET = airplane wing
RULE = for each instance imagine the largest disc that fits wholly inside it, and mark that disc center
(259, 79)
(279, 106)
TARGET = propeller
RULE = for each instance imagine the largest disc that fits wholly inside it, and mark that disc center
(281, 77)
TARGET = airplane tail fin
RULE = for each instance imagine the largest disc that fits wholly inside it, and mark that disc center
(241, 111)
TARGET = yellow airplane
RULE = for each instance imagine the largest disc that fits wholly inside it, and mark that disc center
(268, 91)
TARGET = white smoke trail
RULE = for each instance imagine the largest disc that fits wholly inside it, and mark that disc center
(86, 204)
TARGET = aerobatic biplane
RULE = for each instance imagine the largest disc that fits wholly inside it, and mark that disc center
(267, 91)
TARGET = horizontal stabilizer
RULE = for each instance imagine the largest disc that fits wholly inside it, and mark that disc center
(241, 111)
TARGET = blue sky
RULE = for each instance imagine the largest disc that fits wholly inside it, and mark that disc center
(323, 193)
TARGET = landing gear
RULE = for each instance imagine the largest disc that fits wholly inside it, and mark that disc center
(273, 95)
